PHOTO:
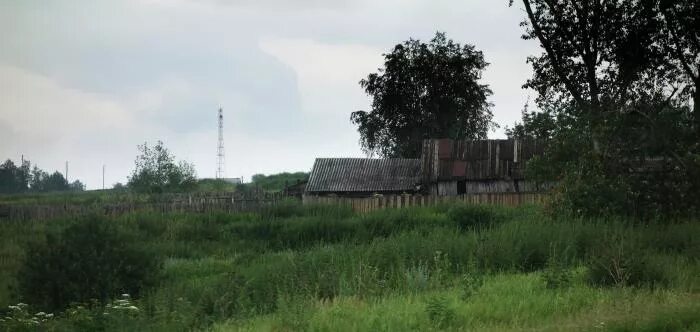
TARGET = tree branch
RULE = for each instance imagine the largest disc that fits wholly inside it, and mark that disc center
(558, 69)
(675, 46)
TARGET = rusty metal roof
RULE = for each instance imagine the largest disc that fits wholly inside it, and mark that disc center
(364, 175)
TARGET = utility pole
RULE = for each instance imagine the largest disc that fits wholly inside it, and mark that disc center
(220, 156)
(103, 176)
(67, 172)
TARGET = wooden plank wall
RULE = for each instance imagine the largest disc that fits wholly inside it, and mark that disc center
(446, 159)
(367, 204)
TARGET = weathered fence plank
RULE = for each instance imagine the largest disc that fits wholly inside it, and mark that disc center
(194, 203)
(228, 203)
(402, 201)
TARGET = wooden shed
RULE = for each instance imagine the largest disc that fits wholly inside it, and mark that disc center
(452, 167)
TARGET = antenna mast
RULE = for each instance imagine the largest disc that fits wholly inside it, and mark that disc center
(220, 157)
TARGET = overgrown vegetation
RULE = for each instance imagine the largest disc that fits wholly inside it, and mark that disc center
(277, 182)
(89, 260)
(157, 172)
(294, 267)
(618, 99)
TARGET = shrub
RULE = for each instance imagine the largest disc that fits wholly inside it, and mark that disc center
(417, 278)
(439, 312)
(91, 259)
(555, 274)
(624, 263)
(517, 246)
(471, 216)
(471, 282)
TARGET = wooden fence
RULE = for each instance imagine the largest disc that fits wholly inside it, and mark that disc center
(367, 204)
(225, 202)
(195, 203)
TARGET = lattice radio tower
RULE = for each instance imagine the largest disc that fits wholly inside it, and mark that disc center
(220, 156)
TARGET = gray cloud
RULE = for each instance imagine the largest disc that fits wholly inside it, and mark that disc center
(101, 77)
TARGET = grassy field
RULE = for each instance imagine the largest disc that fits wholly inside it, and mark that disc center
(325, 268)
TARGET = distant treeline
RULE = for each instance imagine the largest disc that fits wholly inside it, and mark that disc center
(259, 183)
(23, 178)
(277, 182)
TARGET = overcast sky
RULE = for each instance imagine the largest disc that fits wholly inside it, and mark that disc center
(86, 81)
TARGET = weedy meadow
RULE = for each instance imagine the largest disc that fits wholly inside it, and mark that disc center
(327, 268)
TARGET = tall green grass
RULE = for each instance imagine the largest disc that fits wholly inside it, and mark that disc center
(325, 267)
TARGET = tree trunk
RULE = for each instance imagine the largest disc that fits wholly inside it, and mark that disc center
(696, 106)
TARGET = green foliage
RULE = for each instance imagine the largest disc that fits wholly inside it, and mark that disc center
(541, 125)
(649, 177)
(88, 260)
(13, 178)
(214, 185)
(294, 312)
(556, 275)
(424, 90)
(157, 172)
(277, 182)
(440, 312)
(623, 129)
(18, 318)
(21, 179)
(472, 216)
(471, 283)
(417, 277)
(306, 267)
(683, 319)
(621, 262)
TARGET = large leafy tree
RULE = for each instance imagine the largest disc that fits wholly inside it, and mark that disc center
(424, 90)
(615, 76)
(19, 179)
(599, 57)
(13, 178)
(157, 172)
(41, 181)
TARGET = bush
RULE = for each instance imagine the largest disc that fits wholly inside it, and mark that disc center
(624, 263)
(471, 282)
(91, 259)
(439, 312)
(471, 216)
(555, 274)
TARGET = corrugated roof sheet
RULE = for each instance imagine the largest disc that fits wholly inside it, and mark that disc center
(364, 175)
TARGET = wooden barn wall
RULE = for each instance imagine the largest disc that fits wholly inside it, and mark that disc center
(445, 159)
(379, 202)
(450, 188)
(447, 188)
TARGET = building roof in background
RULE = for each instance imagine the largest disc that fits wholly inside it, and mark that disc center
(364, 175)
